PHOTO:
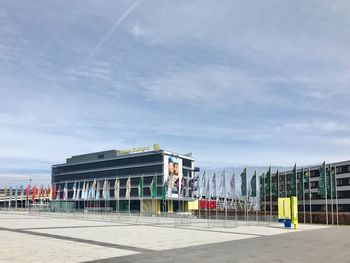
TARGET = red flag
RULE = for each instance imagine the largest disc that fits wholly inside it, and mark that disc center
(27, 191)
(34, 192)
(48, 191)
(53, 191)
(41, 191)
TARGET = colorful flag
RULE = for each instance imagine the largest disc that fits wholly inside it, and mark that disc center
(65, 191)
(253, 184)
(164, 191)
(83, 191)
(322, 180)
(141, 187)
(116, 188)
(34, 192)
(74, 190)
(49, 192)
(93, 189)
(128, 188)
(27, 191)
(202, 186)
(334, 182)
(233, 185)
(54, 192)
(77, 196)
(58, 195)
(22, 192)
(153, 188)
(262, 185)
(329, 181)
(244, 182)
(275, 184)
(268, 182)
(213, 184)
(293, 182)
(98, 189)
(222, 187)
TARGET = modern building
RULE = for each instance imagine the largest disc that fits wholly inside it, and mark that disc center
(309, 198)
(171, 172)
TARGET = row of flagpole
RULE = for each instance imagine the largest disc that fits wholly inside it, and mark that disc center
(270, 186)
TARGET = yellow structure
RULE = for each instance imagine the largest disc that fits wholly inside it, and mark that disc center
(295, 211)
(284, 208)
(193, 205)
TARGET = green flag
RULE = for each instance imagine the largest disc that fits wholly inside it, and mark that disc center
(302, 181)
(153, 189)
(253, 184)
(268, 183)
(164, 191)
(322, 180)
(329, 181)
(284, 186)
(141, 188)
(244, 182)
(275, 184)
(293, 182)
(307, 180)
(262, 185)
(334, 182)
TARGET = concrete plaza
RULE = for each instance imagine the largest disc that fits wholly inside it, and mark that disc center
(45, 237)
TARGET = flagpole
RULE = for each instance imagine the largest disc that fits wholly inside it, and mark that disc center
(331, 182)
(270, 193)
(325, 173)
(303, 187)
(310, 198)
(336, 192)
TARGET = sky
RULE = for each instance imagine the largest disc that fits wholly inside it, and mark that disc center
(234, 82)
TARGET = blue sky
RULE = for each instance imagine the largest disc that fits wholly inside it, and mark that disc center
(234, 82)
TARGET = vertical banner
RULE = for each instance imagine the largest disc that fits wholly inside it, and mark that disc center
(172, 175)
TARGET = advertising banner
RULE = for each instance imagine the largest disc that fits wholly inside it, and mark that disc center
(172, 175)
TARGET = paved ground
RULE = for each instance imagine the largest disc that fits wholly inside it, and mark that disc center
(52, 238)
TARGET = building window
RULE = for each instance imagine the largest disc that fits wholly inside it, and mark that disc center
(101, 156)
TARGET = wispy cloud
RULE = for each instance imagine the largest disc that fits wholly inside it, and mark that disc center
(242, 83)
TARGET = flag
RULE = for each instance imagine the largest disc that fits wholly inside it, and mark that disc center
(108, 195)
(74, 190)
(222, 187)
(65, 192)
(141, 187)
(233, 185)
(284, 185)
(5, 192)
(275, 184)
(39, 192)
(90, 191)
(49, 192)
(268, 183)
(322, 180)
(93, 190)
(27, 191)
(45, 194)
(164, 191)
(78, 192)
(54, 192)
(334, 182)
(34, 192)
(83, 191)
(116, 188)
(207, 190)
(253, 184)
(104, 189)
(213, 183)
(22, 192)
(98, 188)
(128, 188)
(307, 178)
(262, 185)
(329, 181)
(244, 182)
(16, 193)
(153, 188)
(202, 186)
(58, 195)
(293, 182)
(302, 181)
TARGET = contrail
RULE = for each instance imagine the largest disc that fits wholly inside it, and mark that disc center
(110, 32)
